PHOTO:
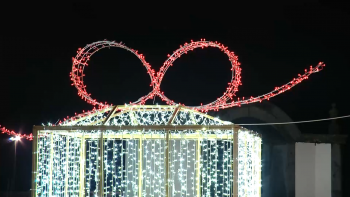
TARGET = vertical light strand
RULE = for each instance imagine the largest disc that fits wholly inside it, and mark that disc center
(158, 183)
(101, 158)
(51, 164)
(210, 171)
(77, 153)
(111, 164)
(220, 169)
(225, 170)
(145, 169)
(161, 173)
(249, 150)
(55, 166)
(72, 166)
(216, 168)
(140, 165)
(186, 171)
(66, 167)
(204, 162)
(88, 170)
(135, 166)
(254, 169)
(60, 166)
(105, 164)
(41, 165)
(231, 158)
(82, 166)
(245, 172)
(153, 169)
(114, 167)
(166, 161)
(241, 165)
(121, 168)
(229, 167)
(193, 167)
(198, 164)
(95, 156)
(249, 164)
(235, 162)
(182, 181)
(172, 166)
(259, 165)
(207, 168)
(40, 174)
(126, 178)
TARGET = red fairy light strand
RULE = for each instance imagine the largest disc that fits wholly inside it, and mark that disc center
(81, 60)
(24, 136)
(227, 100)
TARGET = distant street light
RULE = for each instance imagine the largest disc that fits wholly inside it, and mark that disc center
(17, 138)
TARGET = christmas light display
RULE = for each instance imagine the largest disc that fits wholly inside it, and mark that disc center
(149, 150)
(225, 101)
(167, 151)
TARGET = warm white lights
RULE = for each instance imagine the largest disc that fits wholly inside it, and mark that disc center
(135, 162)
(249, 164)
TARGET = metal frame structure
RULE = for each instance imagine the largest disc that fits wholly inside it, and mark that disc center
(101, 126)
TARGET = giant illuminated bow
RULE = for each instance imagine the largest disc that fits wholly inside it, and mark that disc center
(225, 101)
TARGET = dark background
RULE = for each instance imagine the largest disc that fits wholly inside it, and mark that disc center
(274, 42)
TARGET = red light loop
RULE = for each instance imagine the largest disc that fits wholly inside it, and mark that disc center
(230, 90)
(81, 60)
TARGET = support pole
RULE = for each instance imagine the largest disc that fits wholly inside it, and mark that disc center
(82, 167)
(235, 162)
(101, 165)
(173, 116)
(51, 164)
(109, 116)
(167, 159)
(34, 162)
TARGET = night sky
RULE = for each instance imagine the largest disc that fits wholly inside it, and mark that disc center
(274, 43)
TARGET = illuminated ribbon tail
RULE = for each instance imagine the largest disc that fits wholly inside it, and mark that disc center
(277, 90)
